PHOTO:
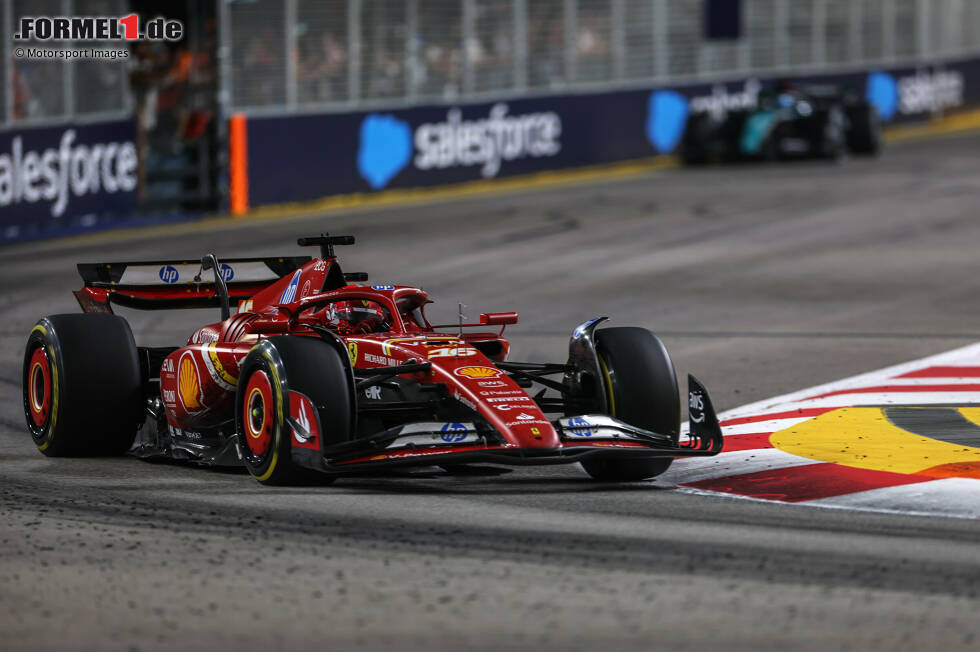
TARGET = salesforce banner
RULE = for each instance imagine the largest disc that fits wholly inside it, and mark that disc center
(58, 180)
(298, 158)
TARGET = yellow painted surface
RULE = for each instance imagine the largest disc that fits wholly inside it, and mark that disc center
(951, 124)
(864, 438)
(971, 414)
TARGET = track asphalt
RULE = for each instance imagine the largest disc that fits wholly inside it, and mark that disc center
(762, 280)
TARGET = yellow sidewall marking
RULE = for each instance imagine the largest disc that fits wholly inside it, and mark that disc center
(55, 393)
(864, 438)
(276, 387)
(609, 391)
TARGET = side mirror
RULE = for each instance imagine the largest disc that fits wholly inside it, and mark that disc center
(498, 318)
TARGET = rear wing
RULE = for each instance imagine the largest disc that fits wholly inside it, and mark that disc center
(169, 284)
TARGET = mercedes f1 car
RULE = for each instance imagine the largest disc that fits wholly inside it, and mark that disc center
(821, 121)
(318, 372)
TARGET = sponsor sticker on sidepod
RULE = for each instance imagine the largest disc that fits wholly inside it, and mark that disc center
(477, 372)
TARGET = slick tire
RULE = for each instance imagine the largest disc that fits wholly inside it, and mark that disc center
(641, 389)
(864, 132)
(770, 151)
(82, 385)
(274, 368)
(694, 145)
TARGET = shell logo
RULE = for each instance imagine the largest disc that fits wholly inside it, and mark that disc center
(188, 384)
(352, 350)
(478, 372)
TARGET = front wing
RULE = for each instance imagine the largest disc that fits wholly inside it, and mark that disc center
(582, 437)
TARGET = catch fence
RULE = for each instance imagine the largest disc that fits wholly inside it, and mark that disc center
(351, 54)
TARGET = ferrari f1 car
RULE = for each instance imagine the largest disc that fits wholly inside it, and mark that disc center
(318, 373)
(821, 121)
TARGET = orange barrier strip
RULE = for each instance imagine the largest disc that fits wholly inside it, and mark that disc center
(238, 164)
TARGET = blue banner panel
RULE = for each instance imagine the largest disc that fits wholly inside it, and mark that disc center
(64, 179)
(299, 158)
(305, 157)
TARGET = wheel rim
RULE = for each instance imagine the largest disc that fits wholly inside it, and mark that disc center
(257, 416)
(39, 388)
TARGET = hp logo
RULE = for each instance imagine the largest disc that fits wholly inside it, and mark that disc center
(227, 273)
(453, 432)
(168, 274)
(579, 427)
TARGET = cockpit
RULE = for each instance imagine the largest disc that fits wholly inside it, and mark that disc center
(364, 315)
(354, 316)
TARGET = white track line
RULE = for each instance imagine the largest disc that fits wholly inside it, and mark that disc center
(889, 398)
(955, 357)
(770, 426)
(914, 382)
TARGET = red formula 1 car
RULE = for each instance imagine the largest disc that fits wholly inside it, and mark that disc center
(315, 373)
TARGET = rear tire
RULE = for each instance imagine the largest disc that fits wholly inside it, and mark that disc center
(864, 132)
(271, 370)
(770, 151)
(82, 385)
(641, 389)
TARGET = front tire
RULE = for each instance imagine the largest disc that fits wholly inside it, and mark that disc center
(697, 135)
(82, 385)
(641, 389)
(275, 367)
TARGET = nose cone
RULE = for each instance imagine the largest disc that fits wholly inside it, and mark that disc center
(474, 380)
(499, 400)
(533, 433)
